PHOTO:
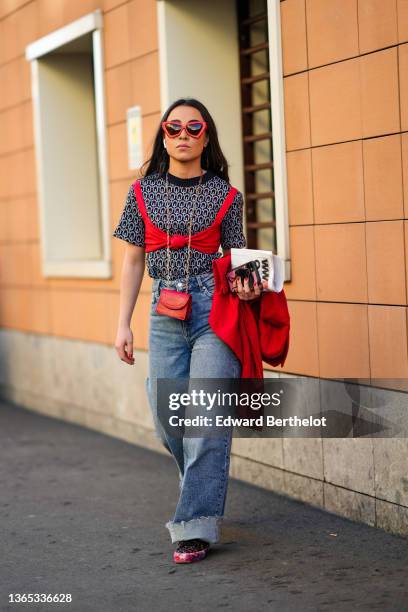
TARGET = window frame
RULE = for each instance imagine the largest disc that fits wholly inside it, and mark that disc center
(166, 17)
(278, 134)
(91, 23)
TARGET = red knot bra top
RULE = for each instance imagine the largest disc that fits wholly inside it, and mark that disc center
(206, 241)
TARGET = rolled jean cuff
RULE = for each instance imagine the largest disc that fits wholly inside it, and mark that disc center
(204, 527)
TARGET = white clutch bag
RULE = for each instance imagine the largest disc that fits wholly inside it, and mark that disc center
(271, 267)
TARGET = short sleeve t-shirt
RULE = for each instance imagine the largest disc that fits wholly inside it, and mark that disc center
(214, 190)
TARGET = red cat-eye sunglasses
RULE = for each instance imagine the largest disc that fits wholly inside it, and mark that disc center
(193, 128)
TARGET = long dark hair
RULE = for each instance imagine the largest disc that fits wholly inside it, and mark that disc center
(212, 157)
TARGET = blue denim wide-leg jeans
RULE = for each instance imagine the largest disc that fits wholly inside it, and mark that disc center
(190, 349)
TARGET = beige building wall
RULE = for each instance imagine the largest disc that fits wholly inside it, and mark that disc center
(346, 97)
(346, 105)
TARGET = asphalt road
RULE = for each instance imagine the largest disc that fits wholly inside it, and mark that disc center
(83, 514)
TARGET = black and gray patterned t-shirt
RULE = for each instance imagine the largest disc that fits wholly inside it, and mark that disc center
(214, 190)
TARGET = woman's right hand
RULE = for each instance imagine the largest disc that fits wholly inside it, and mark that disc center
(124, 345)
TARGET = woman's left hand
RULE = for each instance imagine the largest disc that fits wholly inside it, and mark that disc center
(245, 293)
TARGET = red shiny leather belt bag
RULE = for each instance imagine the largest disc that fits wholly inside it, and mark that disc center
(176, 304)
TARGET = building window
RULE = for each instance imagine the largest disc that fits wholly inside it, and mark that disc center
(206, 41)
(264, 151)
(256, 123)
(70, 141)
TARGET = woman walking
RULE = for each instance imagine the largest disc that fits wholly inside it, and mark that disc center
(179, 213)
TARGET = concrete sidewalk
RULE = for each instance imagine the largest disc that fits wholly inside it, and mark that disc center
(83, 513)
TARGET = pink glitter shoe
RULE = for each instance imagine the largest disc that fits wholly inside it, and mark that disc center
(189, 551)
